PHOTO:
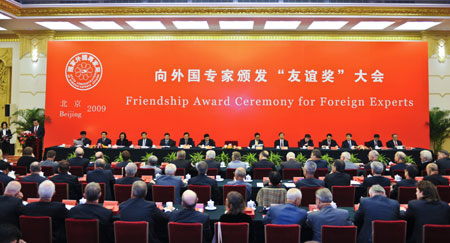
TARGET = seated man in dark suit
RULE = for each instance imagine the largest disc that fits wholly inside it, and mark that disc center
(129, 178)
(45, 207)
(72, 181)
(10, 233)
(100, 175)
(257, 142)
(399, 159)
(281, 142)
(91, 210)
(35, 176)
(327, 214)
(306, 141)
(169, 179)
(186, 140)
(328, 142)
(426, 157)
(138, 209)
(11, 204)
(27, 158)
(394, 142)
(443, 161)
(125, 159)
(104, 141)
(5, 168)
(190, 215)
(376, 207)
(310, 181)
(166, 141)
(203, 180)
(410, 174)
(263, 161)
(337, 177)
(99, 155)
(182, 162)
(79, 160)
(375, 143)
(349, 143)
(316, 156)
(144, 141)
(373, 156)
(377, 178)
(434, 177)
(84, 139)
(210, 159)
(288, 213)
(207, 141)
(239, 176)
(290, 163)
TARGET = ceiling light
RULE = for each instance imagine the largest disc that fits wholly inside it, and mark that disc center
(146, 25)
(236, 25)
(327, 25)
(372, 25)
(59, 25)
(102, 25)
(281, 25)
(2, 16)
(420, 25)
(2, 28)
(191, 25)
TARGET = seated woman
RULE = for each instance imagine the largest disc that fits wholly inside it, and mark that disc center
(234, 213)
(123, 141)
(427, 209)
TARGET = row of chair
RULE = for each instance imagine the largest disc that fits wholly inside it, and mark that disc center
(38, 229)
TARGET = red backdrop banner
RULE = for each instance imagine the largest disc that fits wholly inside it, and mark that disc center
(232, 89)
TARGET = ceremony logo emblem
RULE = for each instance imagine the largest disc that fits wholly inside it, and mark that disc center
(84, 71)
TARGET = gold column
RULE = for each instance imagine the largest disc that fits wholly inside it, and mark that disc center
(5, 81)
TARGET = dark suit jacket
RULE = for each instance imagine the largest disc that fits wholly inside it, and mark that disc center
(94, 211)
(252, 142)
(346, 145)
(127, 180)
(34, 178)
(402, 183)
(371, 144)
(313, 182)
(72, 181)
(182, 163)
(263, 164)
(8, 135)
(86, 141)
(210, 143)
(124, 142)
(390, 143)
(375, 208)
(437, 180)
(423, 165)
(291, 164)
(102, 176)
(77, 161)
(5, 179)
(40, 133)
(56, 210)
(213, 164)
(123, 164)
(26, 161)
(324, 142)
(168, 180)
(421, 212)
(320, 163)
(11, 209)
(192, 216)
(277, 143)
(327, 216)
(106, 142)
(370, 181)
(148, 142)
(170, 143)
(204, 180)
(302, 143)
(337, 179)
(443, 164)
(400, 166)
(189, 142)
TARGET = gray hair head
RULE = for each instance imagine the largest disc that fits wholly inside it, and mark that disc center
(92, 191)
(170, 169)
(139, 189)
(79, 152)
(374, 154)
(13, 188)
(377, 167)
(100, 163)
(293, 194)
(236, 156)
(310, 167)
(426, 154)
(290, 156)
(377, 189)
(400, 155)
(46, 189)
(210, 154)
(181, 154)
(345, 156)
(131, 169)
(153, 160)
(324, 195)
(240, 172)
(202, 167)
(35, 167)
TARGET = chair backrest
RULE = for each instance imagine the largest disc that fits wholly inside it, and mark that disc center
(351, 172)
(308, 195)
(136, 232)
(338, 234)
(36, 229)
(259, 173)
(344, 196)
(444, 193)
(122, 192)
(447, 171)
(384, 231)
(29, 190)
(231, 232)
(230, 173)
(242, 189)
(320, 172)
(118, 170)
(399, 172)
(433, 233)
(102, 187)
(89, 169)
(163, 193)
(212, 171)
(203, 192)
(180, 172)
(289, 233)
(76, 171)
(405, 194)
(48, 170)
(185, 232)
(82, 230)
(367, 172)
(61, 192)
(145, 171)
(289, 174)
(21, 170)
(387, 190)
(268, 196)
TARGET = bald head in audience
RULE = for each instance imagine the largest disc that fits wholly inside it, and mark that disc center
(189, 199)
(432, 169)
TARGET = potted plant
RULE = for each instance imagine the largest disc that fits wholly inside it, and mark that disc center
(354, 158)
(275, 158)
(301, 158)
(224, 157)
(409, 160)
(170, 157)
(197, 157)
(439, 128)
(25, 118)
(146, 157)
(249, 159)
(383, 159)
(328, 159)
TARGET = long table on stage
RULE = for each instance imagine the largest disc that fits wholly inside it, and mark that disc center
(136, 154)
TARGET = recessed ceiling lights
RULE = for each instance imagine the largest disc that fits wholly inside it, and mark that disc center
(372, 25)
(191, 25)
(419, 25)
(236, 25)
(2, 16)
(59, 25)
(102, 25)
(327, 25)
(281, 25)
(146, 25)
